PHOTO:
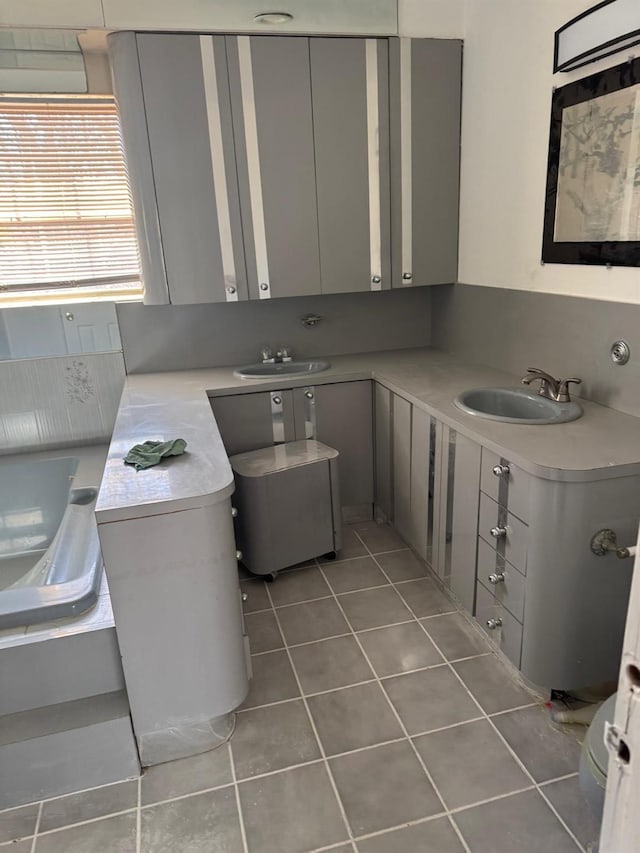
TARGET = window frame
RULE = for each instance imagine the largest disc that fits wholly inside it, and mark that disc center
(93, 290)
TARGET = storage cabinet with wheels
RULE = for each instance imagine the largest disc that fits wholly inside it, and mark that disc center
(339, 415)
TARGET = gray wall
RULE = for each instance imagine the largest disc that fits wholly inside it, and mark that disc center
(179, 337)
(564, 335)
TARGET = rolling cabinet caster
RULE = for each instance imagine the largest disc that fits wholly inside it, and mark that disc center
(330, 556)
(270, 578)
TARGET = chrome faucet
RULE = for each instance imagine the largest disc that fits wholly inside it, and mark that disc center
(551, 388)
(283, 353)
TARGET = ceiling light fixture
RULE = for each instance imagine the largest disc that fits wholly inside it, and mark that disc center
(273, 18)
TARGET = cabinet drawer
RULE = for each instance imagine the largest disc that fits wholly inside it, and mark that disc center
(508, 636)
(513, 545)
(510, 590)
(510, 489)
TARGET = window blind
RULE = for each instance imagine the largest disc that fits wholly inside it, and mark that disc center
(66, 219)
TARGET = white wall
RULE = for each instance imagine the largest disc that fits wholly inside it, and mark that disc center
(431, 18)
(507, 87)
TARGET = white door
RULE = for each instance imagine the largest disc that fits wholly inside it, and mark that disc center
(90, 327)
(621, 821)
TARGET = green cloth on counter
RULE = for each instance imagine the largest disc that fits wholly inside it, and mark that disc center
(151, 452)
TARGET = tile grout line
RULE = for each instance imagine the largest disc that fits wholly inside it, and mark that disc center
(395, 712)
(69, 794)
(312, 723)
(558, 779)
(37, 827)
(244, 710)
(493, 727)
(139, 815)
(234, 782)
(89, 820)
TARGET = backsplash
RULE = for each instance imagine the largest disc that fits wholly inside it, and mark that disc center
(52, 402)
(564, 335)
(180, 337)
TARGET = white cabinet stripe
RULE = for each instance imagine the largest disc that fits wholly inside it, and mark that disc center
(253, 165)
(218, 166)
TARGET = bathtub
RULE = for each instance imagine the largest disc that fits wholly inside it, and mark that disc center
(50, 561)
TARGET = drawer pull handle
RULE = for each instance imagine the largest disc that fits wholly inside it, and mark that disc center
(498, 532)
(234, 512)
(492, 624)
(501, 470)
(245, 596)
(238, 555)
(496, 577)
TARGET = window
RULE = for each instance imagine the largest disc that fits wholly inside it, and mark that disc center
(66, 220)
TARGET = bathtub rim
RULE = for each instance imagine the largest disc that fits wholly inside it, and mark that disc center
(76, 596)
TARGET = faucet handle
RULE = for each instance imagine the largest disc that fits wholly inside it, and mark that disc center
(266, 355)
(563, 389)
(285, 353)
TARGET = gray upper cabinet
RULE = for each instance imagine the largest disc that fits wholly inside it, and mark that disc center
(174, 91)
(350, 91)
(273, 126)
(266, 166)
(425, 88)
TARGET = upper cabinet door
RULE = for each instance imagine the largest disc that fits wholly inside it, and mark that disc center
(273, 127)
(192, 210)
(349, 87)
(188, 111)
(425, 81)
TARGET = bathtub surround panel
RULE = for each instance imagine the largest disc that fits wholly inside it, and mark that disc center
(567, 336)
(65, 400)
(59, 669)
(181, 337)
(66, 747)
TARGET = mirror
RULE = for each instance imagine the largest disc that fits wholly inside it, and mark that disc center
(40, 331)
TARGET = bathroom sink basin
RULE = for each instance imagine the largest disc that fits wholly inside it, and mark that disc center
(285, 368)
(516, 406)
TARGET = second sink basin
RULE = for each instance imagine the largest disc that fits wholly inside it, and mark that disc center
(284, 368)
(516, 406)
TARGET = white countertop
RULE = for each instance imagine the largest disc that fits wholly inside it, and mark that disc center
(176, 405)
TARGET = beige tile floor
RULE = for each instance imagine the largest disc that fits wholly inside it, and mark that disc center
(378, 721)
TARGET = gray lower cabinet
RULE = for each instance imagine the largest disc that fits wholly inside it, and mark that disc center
(338, 414)
(513, 548)
(554, 608)
(461, 528)
(251, 421)
(344, 420)
(405, 469)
